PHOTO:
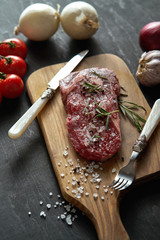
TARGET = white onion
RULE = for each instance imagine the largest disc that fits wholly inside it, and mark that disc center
(79, 20)
(38, 22)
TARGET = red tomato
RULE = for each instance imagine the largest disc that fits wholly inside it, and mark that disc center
(13, 46)
(11, 86)
(13, 64)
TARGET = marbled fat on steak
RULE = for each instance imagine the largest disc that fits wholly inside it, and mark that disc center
(90, 99)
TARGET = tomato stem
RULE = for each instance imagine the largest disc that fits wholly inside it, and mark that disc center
(11, 44)
(8, 59)
(3, 75)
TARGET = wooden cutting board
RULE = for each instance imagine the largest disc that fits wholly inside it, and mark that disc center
(89, 192)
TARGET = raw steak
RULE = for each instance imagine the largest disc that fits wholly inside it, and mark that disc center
(88, 96)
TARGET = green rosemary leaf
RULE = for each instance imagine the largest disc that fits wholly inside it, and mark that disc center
(123, 95)
(100, 76)
(129, 111)
(92, 88)
(107, 123)
(122, 109)
(135, 105)
(96, 136)
(123, 89)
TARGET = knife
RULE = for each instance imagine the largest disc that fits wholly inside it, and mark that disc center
(21, 125)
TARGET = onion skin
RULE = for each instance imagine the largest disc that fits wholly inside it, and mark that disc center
(38, 22)
(149, 38)
(148, 72)
(79, 20)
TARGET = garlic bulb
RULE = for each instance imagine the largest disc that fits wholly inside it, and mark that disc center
(148, 72)
(79, 20)
(38, 22)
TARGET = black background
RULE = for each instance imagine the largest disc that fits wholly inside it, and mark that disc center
(26, 174)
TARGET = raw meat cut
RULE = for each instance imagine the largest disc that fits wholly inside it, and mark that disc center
(90, 99)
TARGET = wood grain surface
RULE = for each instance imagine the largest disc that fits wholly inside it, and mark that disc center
(103, 210)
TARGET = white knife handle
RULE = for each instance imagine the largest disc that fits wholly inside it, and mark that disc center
(152, 121)
(148, 129)
(21, 125)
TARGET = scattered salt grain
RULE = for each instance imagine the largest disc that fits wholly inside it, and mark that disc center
(43, 214)
(68, 219)
(41, 203)
(29, 214)
(63, 216)
(65, 153)
(95, 195)
(48, 206)
(106, 190)
(50, 194)
(113, 170)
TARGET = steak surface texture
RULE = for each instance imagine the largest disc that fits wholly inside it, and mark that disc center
(90, 99)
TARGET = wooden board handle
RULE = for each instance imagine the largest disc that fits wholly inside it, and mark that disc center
(110, 227)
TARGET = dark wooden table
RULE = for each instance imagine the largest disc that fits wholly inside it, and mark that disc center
(26, 174)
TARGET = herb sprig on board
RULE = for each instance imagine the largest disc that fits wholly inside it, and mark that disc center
(128, 110)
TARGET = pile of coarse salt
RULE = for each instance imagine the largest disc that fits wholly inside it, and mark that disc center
(81, 175)
(69, 213)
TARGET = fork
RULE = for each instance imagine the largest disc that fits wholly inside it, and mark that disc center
(126, 175)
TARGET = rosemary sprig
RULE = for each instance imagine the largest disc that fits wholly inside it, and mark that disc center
(100, 76)
(92, 88)
(103, 113)
(128, 110)
(96, 136)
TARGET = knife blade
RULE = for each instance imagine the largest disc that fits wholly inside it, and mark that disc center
(22, 124)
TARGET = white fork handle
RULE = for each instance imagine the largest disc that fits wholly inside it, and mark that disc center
(152, 121)
(21, 125)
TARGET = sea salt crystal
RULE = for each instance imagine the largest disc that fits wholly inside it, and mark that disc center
(29, 213)
(63, 216)
(48, 205)
(68, 219)
(98, 180)
(113, 170)
(96, 166)
(50, 194)
(106, 190)
(74, 183)
(43, 214)
(65, 153)
(95, 195)
(67, 207)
